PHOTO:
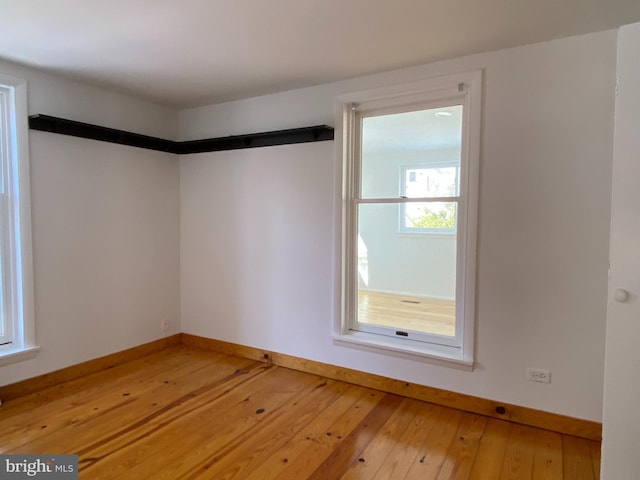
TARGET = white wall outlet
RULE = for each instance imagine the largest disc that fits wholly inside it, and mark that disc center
(165, 325)
(539, 375)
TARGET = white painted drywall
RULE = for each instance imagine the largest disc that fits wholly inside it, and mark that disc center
(257, 248)
(105, 228)
(621, 416)
(60, 97)
(260, 229)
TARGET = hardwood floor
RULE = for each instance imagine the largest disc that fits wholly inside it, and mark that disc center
(185, 413)
(429, 315)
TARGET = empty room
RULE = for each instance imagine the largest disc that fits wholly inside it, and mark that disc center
(354, 239)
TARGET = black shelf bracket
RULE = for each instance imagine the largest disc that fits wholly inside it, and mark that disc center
(46, 123)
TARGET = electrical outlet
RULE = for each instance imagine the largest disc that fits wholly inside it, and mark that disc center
(539, 375)
(165, 325)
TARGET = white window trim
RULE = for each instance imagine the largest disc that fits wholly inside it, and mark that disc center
(19, 273)
(434, 89)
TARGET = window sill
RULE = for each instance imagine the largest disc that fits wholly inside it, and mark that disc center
(440, 354)
(16, 355)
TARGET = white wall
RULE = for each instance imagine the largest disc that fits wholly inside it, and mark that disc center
(257, 246)
(60, 97)
(260, 228)
(105, 228)
(620, 442)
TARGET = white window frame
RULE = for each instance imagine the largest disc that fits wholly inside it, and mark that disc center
(465, 89)
(18, 342)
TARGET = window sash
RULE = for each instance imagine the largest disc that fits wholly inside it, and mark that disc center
(463, 88)
(351, 300)
(9, 236)
(15, 241)
(412, 336)
(359, 201)
(353, 187)
(6, 327)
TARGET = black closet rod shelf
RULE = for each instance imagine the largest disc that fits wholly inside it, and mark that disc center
(63, 126)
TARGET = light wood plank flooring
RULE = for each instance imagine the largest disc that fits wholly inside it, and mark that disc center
(429, 315)
(189, 414)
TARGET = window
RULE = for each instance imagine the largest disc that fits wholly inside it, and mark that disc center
(16, 291)
(410, 157)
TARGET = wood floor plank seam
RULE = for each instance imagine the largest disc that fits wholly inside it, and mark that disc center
(435, 447)
(61, 406)
(357, 440)
(390, 438)
(415, 437)
(233, 424)
(300, 455)
(462, 452)
(260, 369)
(235, 443)
(35, 384)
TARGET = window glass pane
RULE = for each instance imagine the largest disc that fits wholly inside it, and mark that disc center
(414, 154)
(404, 282)
(436, 180)
(3, 226)
(3, 133)
(2, 309)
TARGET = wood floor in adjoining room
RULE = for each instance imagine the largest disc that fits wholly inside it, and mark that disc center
(188, 414)
(406, 312)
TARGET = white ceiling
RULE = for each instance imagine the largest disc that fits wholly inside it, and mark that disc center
(416, 131)
(194, 52)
